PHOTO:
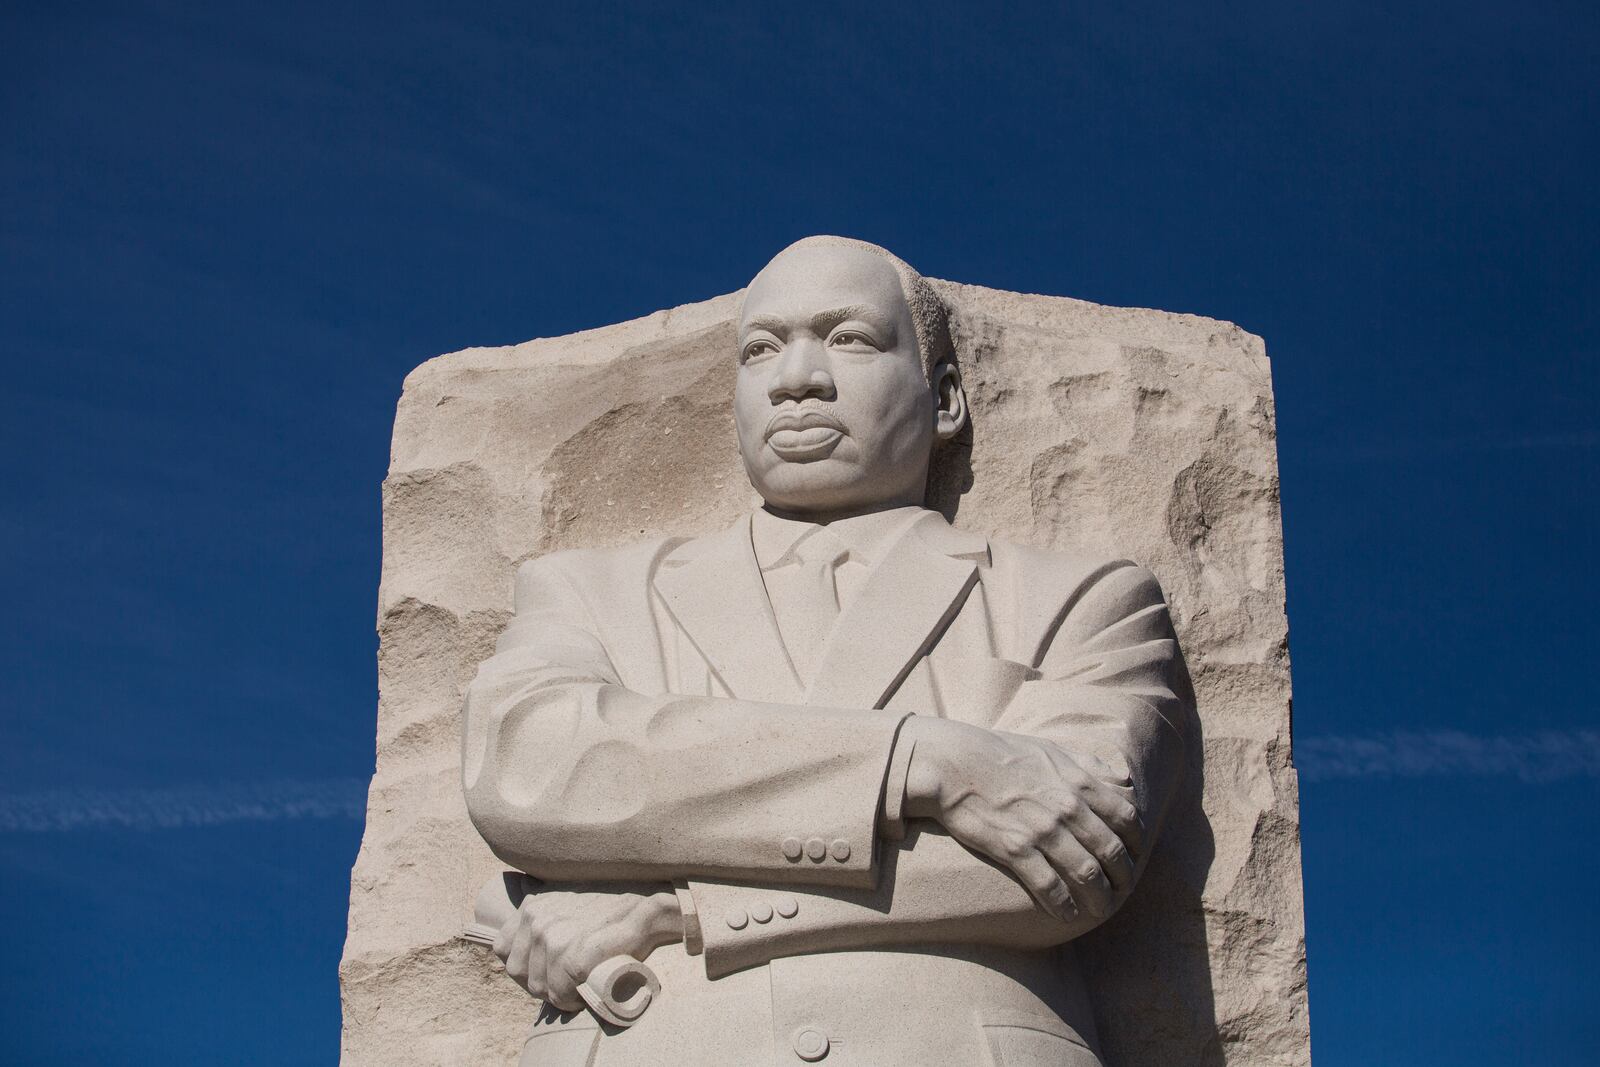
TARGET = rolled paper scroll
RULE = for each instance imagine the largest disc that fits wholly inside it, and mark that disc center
(619, 990)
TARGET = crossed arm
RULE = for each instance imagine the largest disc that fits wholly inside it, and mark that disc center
(1027, 832)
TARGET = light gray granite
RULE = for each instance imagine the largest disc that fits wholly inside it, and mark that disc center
(852, 825)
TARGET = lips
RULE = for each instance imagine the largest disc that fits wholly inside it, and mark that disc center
(804, 435)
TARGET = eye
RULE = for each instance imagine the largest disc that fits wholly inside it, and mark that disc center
(760, 348)
(852, 339)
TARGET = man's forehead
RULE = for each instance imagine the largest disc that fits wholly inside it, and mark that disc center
(804, 280)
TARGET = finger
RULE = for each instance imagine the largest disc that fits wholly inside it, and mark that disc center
(517, 956)
(1091, 890)
(1117, 812)
(1114, 809)
(1106, 847)
(505, 935)
(537, 953)
(1036, 874)
(561, 986)
(564, 997)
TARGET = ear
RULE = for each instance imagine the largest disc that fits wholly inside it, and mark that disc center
(951, 414)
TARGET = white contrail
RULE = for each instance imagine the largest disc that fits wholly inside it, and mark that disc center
(1547, 756)
(165, 809)
(1542, 757)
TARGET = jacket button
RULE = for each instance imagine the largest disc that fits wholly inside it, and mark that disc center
(792, 849)
(737, 918)
(761, 911)
(841, 850)
(788, 907)
(816, 849)
(810, 1045)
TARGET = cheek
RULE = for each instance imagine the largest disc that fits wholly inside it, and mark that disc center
(901, 409)
(750, 406)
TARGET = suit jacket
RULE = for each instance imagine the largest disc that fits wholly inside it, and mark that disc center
(640, 721)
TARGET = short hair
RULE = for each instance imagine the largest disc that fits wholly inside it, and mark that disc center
(930, 318)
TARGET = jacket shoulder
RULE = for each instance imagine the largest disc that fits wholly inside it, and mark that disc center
(1054, 594)
(1056, 568)
(585, 569)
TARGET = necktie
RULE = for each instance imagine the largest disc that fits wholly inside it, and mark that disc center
(814, 603)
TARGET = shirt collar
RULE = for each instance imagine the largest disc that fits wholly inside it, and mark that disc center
(867, 536)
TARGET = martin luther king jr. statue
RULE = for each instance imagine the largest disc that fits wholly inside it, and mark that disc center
(849, 779)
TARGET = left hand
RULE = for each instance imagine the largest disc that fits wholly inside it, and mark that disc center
(1024, 803)
(561, 933)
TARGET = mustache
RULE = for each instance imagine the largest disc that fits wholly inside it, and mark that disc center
(805, 415)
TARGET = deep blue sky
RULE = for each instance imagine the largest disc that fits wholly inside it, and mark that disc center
(228, 231)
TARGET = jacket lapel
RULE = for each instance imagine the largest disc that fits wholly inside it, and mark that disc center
(913, 593)
(718, 599)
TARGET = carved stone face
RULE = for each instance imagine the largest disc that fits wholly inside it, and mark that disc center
(834, 412)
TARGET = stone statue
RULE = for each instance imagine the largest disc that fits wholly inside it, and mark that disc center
(848, 779)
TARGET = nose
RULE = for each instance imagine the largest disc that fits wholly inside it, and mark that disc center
(802, 372)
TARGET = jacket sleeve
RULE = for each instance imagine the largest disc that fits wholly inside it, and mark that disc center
(570, 776)
(1111, 693)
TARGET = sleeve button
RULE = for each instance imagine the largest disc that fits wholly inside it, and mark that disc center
(761, 912)
(816, 849)
(737, 918)
(787, 906)
(841, 850)
(810, 1045)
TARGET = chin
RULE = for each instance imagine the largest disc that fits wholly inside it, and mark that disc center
(821, 486)
(826, 488)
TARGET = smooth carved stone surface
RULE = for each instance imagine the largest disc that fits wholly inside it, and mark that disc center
(1127, 434)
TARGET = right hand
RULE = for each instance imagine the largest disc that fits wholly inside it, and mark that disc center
(1067, 836)
(561, 933)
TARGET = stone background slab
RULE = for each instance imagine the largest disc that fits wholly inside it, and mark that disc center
(1129, 432)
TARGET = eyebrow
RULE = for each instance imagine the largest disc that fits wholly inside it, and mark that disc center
(823, 321)
(771, 323)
